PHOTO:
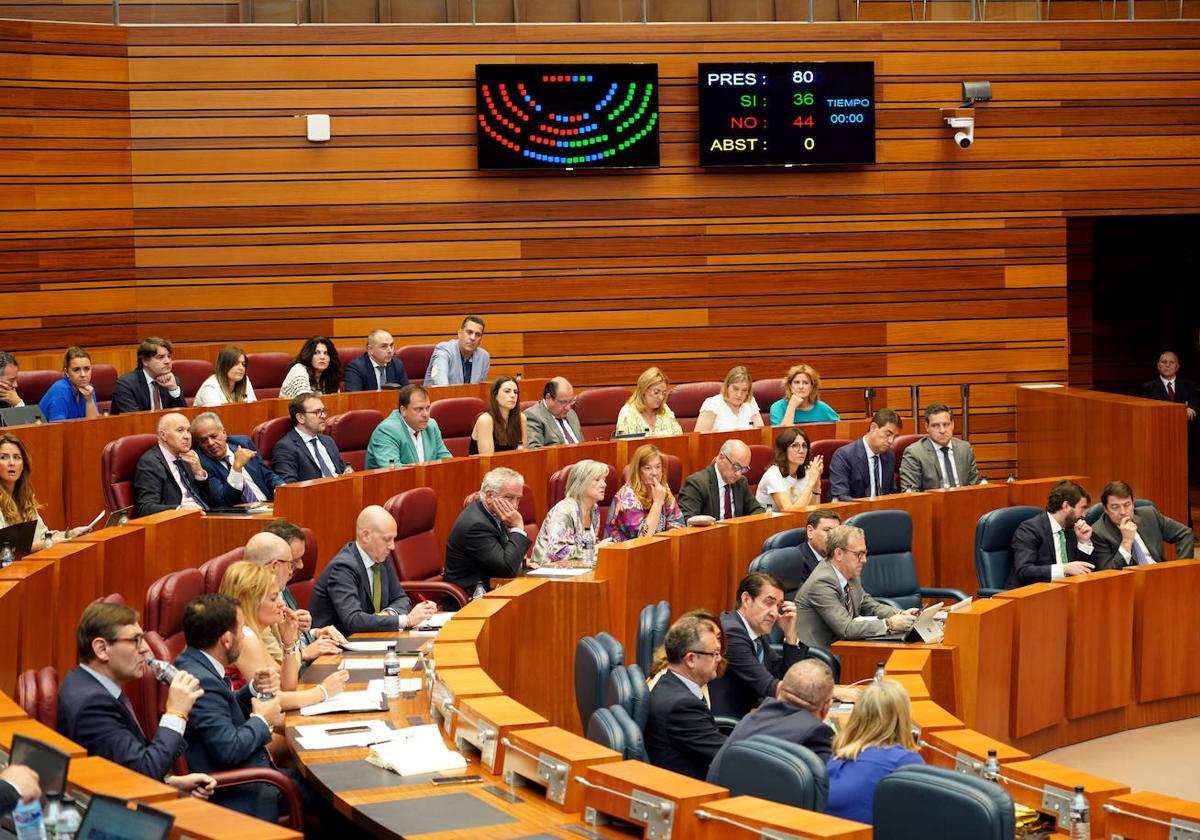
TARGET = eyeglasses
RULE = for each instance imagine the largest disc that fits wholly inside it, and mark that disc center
(567, 403)
(715, 654)
(798, 445)
(657, 392)
(858, 555)
(740, 469)
(135, 640)
(319, 412)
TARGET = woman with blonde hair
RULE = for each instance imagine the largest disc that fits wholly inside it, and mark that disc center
(876, 740)
(228, 383)
(572, 527)
(801, 401)
(645, 504)
(18, 503)
(732, 409)
(647, 410)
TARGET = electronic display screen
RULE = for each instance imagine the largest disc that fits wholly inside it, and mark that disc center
(567, 116)
(787, 113)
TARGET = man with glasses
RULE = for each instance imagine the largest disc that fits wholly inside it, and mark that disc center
(832, 605)
(552, 421)
(408, 435)
(681, 733)
(867, 468)
(488, 538)
(720, 490)
(305, 452)
(95, 713)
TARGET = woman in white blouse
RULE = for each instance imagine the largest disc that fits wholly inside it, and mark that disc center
(229, 383)
(793, 481)
(732, 409)
(317, 370)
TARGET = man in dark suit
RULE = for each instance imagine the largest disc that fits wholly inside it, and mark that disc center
(752, 667)
(169, 475)
(306, 452)
(9, 370)
(681, 734)
(488, 538)
(797, 715)
(1169, 386)
(151, 386)
(358, 592)
(239, 474)
(317, 641)
(1054, 544)
(820, 523)
(552, 421)
(226, 731)
(867, 467)
(939, 459)
(1133, 536)
(720, 490)
(18, 783)
(376, 367)
(95, 713)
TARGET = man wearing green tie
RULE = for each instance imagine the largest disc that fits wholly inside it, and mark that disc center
(1054, 544)
(358, 592)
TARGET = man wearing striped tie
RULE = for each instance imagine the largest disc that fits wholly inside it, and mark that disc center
(1132, 535)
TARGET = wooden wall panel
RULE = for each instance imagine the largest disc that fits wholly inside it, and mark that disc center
(154, 179)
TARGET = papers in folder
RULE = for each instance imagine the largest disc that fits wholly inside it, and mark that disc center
(333, 736)
(416, 750)
(368, 647)
(557, 572)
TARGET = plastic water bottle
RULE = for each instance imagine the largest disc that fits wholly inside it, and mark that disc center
(1081, 816)
(68, 820)
(51, 815)
(880, 673)
(391, 673)
(164, 672)
(479, 591)
(28, 822)
(991, 769)
(7, 555)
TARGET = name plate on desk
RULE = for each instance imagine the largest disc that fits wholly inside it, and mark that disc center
(551, 758)
(450, 687)
(662, 802)
(483, 721)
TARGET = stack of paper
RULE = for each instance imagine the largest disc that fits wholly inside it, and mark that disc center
(437, 621)
(349, 701)
(416, 750)
(331, 736)
(368, 647)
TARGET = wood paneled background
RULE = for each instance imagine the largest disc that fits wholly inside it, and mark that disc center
(156, 180)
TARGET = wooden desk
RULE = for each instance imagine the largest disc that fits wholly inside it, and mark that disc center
(173, 541)
(328, 506)
(760, 816)
(78, 575)
(746, 535)
(1041, 774)
(33, 593)
(930, 717)
(1039, 657)
(1163, 650)
(10, 636)
(33, 729)
(1035, 491)
(9, 710)
(859, 660)
(638, 572)
(702, 568)
(627, 777)
(968, 744)
(198, 820)
(985, 678)
(99, 775)
(122, 561)
(1154, 806)
(1099, 641)
(955, 514)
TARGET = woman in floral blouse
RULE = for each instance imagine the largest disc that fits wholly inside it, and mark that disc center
(647, 410)
(572, 526)
(645, 505)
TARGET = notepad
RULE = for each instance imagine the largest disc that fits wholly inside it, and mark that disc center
(348, 701)
(333, 736)
(368, 647)
(437, 621)
(416, 750)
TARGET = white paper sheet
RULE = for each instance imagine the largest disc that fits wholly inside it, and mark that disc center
(368, 647)
(553, 572)
(361, 664)
(327, 736)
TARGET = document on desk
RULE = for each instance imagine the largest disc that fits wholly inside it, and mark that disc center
(368, 647)
(416, 750)
(333, 736)
(369, 699)
(365, 664)
(556, 572)
(437, 621)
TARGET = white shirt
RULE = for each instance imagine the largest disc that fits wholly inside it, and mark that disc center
(418, 444)
(725, 420)
(774, 481)
(1167, 382)
(1057, 571)
(871, 468)
(152, 384)
(369, 565)
(170, 721)
(691, 684)
(308, 439)
(210, 393)
(187, 497)
(750, 630)
(238, 479)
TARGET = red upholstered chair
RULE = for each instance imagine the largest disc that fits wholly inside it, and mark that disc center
(826, 448)
(266, 372)
(214, 569)
(37, 694)
(415, 359)
(351, 431)
(557, 488)
(165, 602)
(346, 355)
(456, 417)
(761, 457)
(598, 410)
(118, 460)
(528, 515)
(266, 434)
(766, 392)
(685, 400)
(302, 583)
(901, 443)
(418, 557)
(673, 467)
(32, 385)
(114, 598)
(104, 379)
(191, 374)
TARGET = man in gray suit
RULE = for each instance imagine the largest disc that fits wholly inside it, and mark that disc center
(938, 459)
(461, 360)
(833, 605)
(552, 421)
(1133, 536)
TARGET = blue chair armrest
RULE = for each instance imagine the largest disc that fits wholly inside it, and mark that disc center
(943, 593)
(988, 592)
(890, 602)
(725, 724)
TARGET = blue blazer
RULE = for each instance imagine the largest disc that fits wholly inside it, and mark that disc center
(779, 720)
(293, 461)
(93, 718)
(342, 595)
(360, 374)
(850, 476)
(220, 733)
(218, 471)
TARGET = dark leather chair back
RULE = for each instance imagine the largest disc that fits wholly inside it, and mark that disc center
(37, 692)
(776, 770)
(415, 360)
(1097, 510)
(829, 658)
(652, 627)
(351, 431)
(672, 466)
(627, 689)
(455, 418)
(966, 806)
(268, 433)
(32, 385)
(191, 374)
(766, 392)
(786, 564)
(826, 448)
(603, 729)
(165, 602)
(792, 537)
(417, 554)
(302, 582)
(597, 410)
(890, 571)
(118, 460)
(266, 372)
(993, 546)
(685, 400)
(214, 570)
(595, 658)
(635, 745)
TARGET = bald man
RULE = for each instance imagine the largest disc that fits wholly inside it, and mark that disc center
(552, 421)
(358, 592)
(170, 476)
(275, 553)
(720, 490)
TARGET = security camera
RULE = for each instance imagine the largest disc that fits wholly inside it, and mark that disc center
(963, 138)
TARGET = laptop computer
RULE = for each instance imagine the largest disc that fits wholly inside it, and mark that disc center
(19, 537)
(50, 762)
(108, 818)
(22, 415)
(925, 629)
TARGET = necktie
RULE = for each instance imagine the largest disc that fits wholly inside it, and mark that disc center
(155, 397)
(1171, 391)
(846, 599)
(376, 585)
(1062, 547)
(727, 512)
(568, 437)
(946, 466)
(417, 446)
(1139, 554)
(186, 478)
(466, 364)
(381, 372)
(325, 471)
(124, 700)
(758, 648)
(878, 488)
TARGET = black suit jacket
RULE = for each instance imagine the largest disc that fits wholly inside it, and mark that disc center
(8, 797)
(226, 495)
(780, 720)
(1033, 551)
(93, 718)
(699, 496)
(221, 735)
(478, 549)
(746, 680)
(1185, 391)
(131, 393)
(850, 475)
(293, 461)
(342, 595)
(155, 490)
(360, 374)
(681, 734)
